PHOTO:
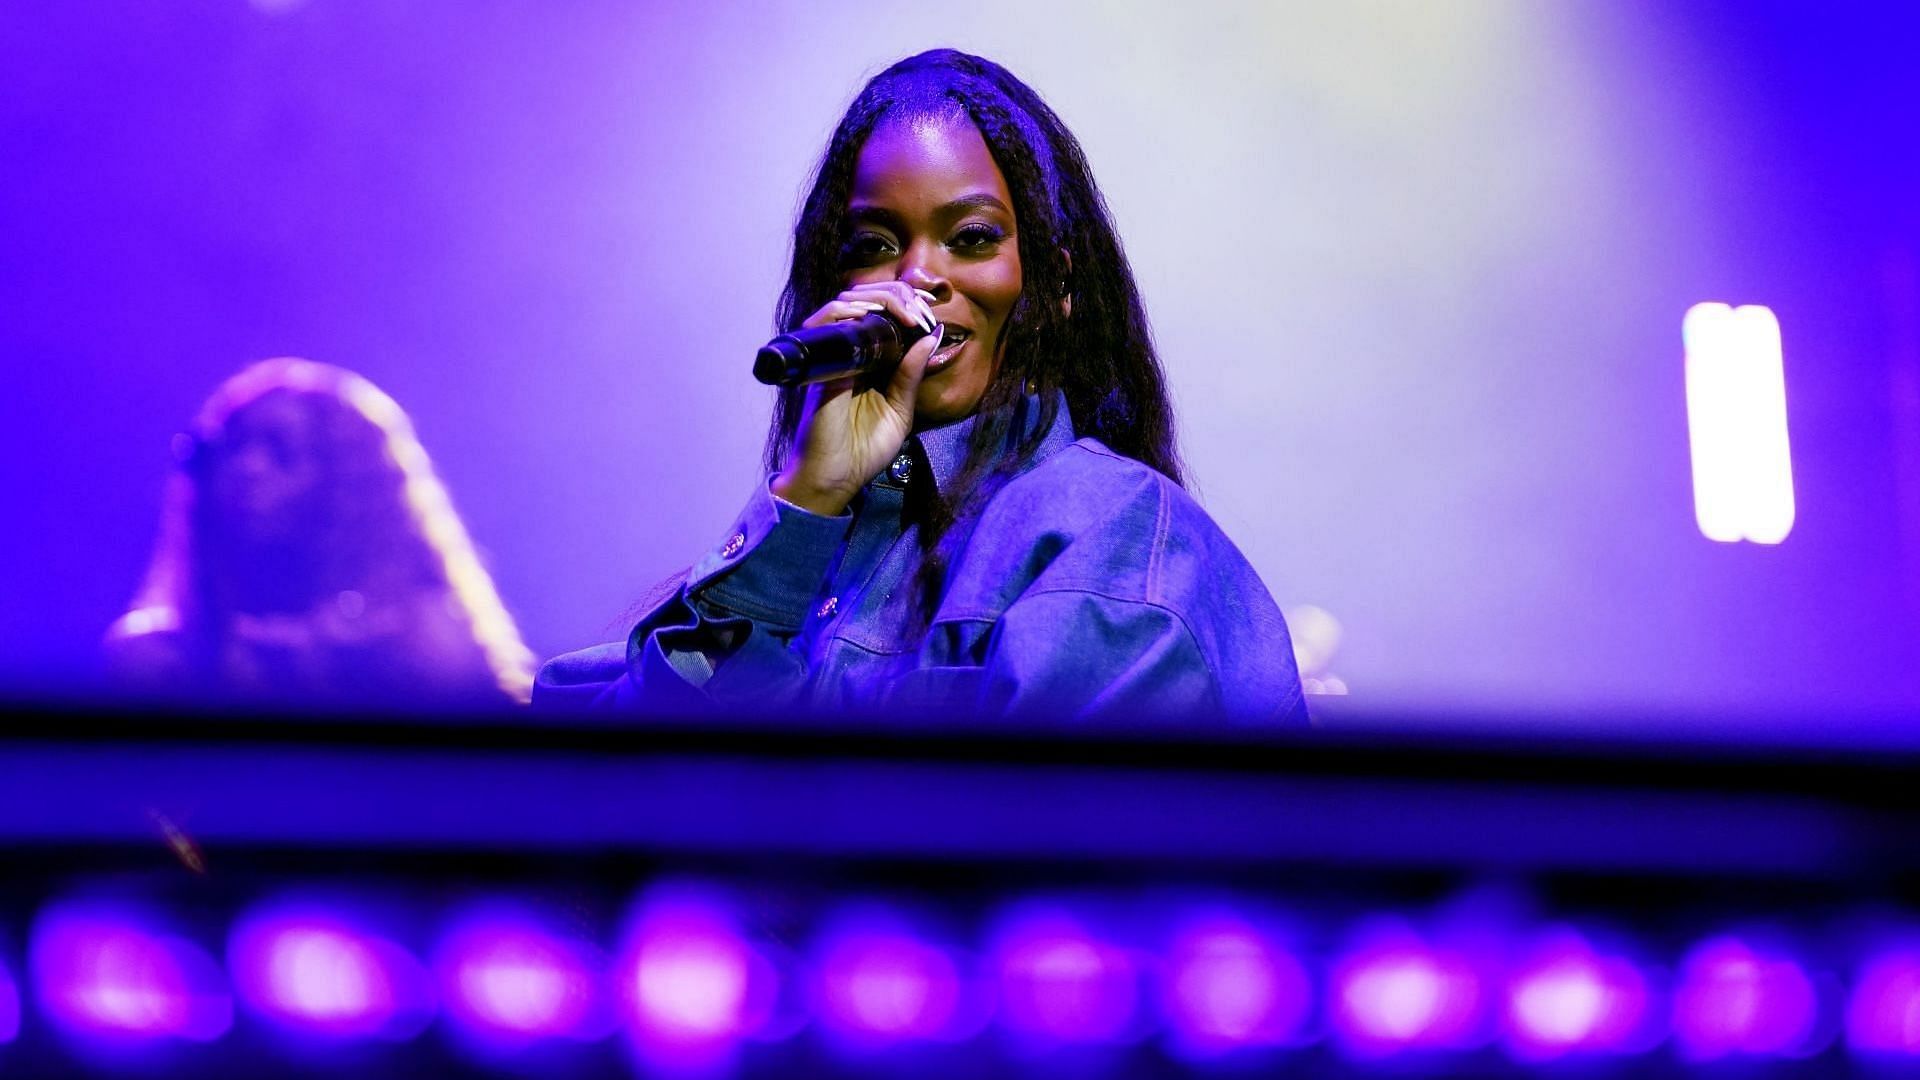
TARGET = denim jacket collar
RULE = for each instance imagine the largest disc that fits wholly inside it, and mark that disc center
(944, 449)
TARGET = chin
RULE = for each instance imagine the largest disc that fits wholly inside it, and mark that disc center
(951, 394)
(942, 405)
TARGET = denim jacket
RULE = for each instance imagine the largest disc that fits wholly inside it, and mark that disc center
(1089, 584)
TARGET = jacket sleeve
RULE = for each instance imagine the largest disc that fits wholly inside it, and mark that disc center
(724, 637)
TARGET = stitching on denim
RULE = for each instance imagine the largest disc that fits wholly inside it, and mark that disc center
(1161, 515)
(716, 595)
(1193, 639)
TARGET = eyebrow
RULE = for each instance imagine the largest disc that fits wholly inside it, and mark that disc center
(977, 201)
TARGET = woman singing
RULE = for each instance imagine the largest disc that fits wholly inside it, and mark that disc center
(1001, 525)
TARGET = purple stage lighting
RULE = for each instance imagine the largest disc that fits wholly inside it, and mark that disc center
(1732, 999)
(1883, 1016)
(1227, 985)
(1059, 983)
(878, 983)
(109, 972)
(315, 972)
(508, 980)
(1564, 998)
(1737, 423)
(1394, 991)
(691, 983)
(9, 1006)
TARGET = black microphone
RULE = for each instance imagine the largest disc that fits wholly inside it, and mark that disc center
(871, 344)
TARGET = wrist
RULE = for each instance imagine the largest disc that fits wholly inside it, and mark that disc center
(809, 496)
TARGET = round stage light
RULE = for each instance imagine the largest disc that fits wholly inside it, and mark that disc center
(1394, 991)
(114, 972)
(317, 971)
(508, 979)
(878, 983)
(1734, 999)
(1227, 985)
(1565, 997)
(1062, 983)
(1883, 1014)
(689, 982)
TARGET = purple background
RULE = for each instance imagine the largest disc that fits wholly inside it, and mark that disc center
(1417, 271)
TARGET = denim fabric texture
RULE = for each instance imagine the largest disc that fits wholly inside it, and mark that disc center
(1088, 585)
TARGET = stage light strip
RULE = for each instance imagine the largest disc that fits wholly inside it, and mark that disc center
(1737, 423)
(693, 983)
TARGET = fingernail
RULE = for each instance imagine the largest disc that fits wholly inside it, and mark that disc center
(924, 295)
(867, 305)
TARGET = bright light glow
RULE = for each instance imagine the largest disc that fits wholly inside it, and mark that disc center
(1315, 633)
(315, 972)
(507, 980)
(1397, 992)
(1565, 998)
(690, 983)
(104, 971)
(1737, 424)
(328, 976)
(1061, 983)
(1883, 1015)
(1227, 985)
(1734, 1000)
(879, 983)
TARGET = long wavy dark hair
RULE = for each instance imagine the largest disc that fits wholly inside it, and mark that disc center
(1100, 356)
(382, 526)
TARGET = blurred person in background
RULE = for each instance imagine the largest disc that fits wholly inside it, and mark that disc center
(308, 556)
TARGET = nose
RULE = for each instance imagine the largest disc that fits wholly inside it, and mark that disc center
(919, 272)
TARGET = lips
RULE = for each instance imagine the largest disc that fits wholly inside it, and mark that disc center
(951, 339)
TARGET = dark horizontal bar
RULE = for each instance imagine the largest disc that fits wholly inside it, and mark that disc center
(1650, 752)
(668, 801)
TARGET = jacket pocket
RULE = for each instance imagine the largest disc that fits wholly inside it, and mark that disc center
(941, 690)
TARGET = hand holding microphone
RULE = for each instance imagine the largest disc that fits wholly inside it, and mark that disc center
(870, 345)
(857, 414)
